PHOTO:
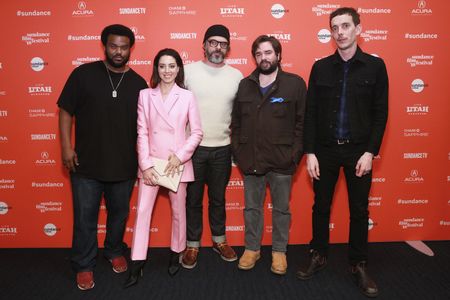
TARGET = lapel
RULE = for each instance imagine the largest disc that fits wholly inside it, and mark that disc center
(160, 106)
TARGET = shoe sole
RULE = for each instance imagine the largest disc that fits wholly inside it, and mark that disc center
(117, 271)
(86, 289)
(189, 267)
(246, 268)
(278, 272)
(310, 276)
(223, 257)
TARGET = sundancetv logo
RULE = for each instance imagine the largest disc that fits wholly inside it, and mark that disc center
(278, 11)
(415, 155)
(324, 36)
(37, 64)
(236, 61)
(132, 10)
(417, 85)
(232, 11)
(183, 35)
(43, 136)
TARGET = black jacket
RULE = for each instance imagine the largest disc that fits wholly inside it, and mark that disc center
(267, 131)
(367, 101)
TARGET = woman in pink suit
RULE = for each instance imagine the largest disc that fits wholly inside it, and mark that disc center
(164, 112)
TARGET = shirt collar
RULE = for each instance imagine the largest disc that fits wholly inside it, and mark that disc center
(337, 59)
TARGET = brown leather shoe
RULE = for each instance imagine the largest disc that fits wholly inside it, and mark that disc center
(317, 263)
(248, 259)
(362, 279)
(85, 280)
(189, 260)
(226, 252)
(119, 264)
(279, 263)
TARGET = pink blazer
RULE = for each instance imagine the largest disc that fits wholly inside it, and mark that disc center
(163, 131)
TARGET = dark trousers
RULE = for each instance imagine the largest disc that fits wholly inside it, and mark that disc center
(212, 166)
(87, 194)
(331, 159)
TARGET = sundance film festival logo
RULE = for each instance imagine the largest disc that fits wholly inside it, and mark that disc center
(43, 136)
(132, 10)
(278, 11)
(7, 230)
(414, 132)
(45, 160)
(34, 13)
(411, 223)
(417, 110)
(40, 113)
(36, 38)
(181, 10)
(39, 90)
(185, 57)
(7, 184)
(415, 155)
(37, 64)
(235, 183)
(82, 10)
(137, 36)
(412, 201)
(82, 60)
(4, 208)
(49, 206)
(235, 228)
(414, 177)
(324, 36)
(232, 11)
(421, 9)
(183, 35)
(417, 85)
(374, 201)
(280, 36)
(324, 9)
(374, 11)
(50, 229)
(420, 60)
(7, 161)
(374, 35)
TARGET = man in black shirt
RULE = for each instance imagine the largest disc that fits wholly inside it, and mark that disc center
(346, 115)
(102, 97)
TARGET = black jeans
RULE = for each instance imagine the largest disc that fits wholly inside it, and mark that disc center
(331, 159)
(87, 194)
(212, 166)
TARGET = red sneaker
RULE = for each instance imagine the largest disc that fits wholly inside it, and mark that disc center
(119, 264)
(85, 280)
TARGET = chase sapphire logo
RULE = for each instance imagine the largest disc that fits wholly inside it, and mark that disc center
(276, 100)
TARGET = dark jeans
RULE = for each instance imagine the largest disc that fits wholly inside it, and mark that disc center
(331, 159)
(87, 194)
(212, 166)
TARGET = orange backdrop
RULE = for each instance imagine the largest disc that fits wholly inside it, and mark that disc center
(43, 41)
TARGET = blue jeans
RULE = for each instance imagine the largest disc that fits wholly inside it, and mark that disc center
(255, 193)
(212, 166)
(87, 194)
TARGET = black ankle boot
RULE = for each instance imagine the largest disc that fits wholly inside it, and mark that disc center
(136, 270)
(174, 264)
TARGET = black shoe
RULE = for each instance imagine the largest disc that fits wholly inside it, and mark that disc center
(362, 279)
(317, 263)
(174, 263)
(136, 270)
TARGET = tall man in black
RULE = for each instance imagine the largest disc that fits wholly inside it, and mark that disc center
(346, 114)
(102, 97)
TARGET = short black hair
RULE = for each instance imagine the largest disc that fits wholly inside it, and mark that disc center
(117, 29)
(346, 11)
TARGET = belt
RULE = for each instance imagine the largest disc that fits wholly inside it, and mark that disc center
(343, 141)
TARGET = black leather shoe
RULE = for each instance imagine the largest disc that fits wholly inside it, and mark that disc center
(174, 263)
(136, 270)
(362, 279)
(317, 263)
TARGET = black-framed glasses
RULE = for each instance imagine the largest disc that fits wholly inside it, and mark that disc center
(214, 43)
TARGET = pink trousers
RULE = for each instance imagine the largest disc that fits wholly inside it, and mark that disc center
(146, 201)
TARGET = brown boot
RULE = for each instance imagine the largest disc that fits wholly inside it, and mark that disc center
(248, 259)
(362, 279)
(189, 259)
(317, 263)
(279, 263)
(225, 251)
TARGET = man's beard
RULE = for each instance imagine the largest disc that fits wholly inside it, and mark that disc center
(213, 58)
(273, 67)
(113, 64)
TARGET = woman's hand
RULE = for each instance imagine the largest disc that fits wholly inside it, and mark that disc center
(150, 177)
(173, 165)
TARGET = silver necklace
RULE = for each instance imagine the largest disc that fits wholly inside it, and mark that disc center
(114, 92)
